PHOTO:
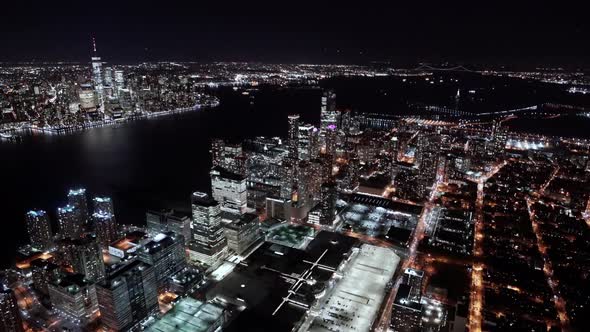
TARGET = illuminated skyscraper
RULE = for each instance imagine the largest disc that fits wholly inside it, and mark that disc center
(103, 205)
(39, 228)
(127, 296)
(69, 222)
(96, 69)
(208, 243)
(10, 319)
(328, 115)
(228, 156)
(351, 181)
(330, 139)
(241, 233)
(328, 204)
(166, 254)
(77, 199)
(229, 189)
(499, 139)
(75, 297)
(108, 76)
(105, 227)
(119, 82)
(308, 146)
(43, 273)
(293, 136)
(87, 98)
(84, 255)
(427, 159)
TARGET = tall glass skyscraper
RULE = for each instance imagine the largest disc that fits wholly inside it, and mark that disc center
(39, 228)
(10, 319)
(77, 199)
(208, 243)
(69, 222)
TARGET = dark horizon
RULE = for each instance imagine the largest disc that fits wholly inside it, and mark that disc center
(134, 32)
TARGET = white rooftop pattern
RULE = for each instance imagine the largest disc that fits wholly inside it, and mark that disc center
(188, 315)
(354, 303)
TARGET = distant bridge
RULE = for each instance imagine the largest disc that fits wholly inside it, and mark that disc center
(456, 68)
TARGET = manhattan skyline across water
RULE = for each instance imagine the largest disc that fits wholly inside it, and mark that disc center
(309, 168)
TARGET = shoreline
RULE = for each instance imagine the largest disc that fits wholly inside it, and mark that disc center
(16, 134)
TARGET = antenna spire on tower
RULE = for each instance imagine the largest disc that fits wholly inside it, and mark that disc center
(94, 44)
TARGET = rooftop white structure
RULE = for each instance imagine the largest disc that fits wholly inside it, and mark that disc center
(355, 301)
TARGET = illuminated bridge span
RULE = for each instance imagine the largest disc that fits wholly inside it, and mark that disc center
(512, 111)
(456, 68)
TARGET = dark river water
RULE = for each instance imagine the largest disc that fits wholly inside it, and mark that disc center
(157, 163)
(154, 163)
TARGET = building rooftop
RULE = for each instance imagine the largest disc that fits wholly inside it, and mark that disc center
(224, 173)
(73, 283)
(189, 315)
(160, 241)
(385, 203)
(269, 275)
(243, 220)
(356, 298)
(203, 199)
(401, 298)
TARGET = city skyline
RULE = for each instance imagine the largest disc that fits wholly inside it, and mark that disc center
(302, 169)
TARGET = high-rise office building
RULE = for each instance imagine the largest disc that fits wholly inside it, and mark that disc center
(328, 115)
(208, 243)
(328, 204)
(330, 141)
(105, 227)
(276, 208)
(77, 198)
(44, 272)
(228, 156)
(119, 80)
(229, 189)
(84, 255)
(166, 254)
(242, 233)
(69, 222)
(97, 78)
(127, 296)
(180, 224)
(351, 180)
(287, 178)
(75, 297)
(10, 319)
(39, 229)
(87, 98)
(168, 220)
(308, 142)
(108, 77)
(103, 204)
(499, 139)
(293, 136)
(427, 159)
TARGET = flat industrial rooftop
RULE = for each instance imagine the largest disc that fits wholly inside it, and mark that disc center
(355, 301)
(188, 315)
(274, 273)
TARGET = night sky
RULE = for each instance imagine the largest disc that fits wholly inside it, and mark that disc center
(293, 31)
